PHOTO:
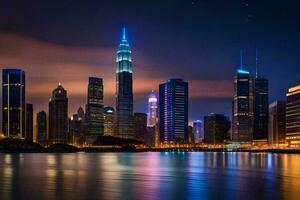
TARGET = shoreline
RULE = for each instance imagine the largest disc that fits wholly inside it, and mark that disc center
(120, 150)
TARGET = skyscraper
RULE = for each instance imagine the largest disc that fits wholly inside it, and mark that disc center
(94, 110)
(197, 131)
(41, 122)
(124, 96)
(29, 122)
(109, 121)
(58, 116)
(216, 127)
(242, 130)
(261, 105)
(152, 110)
(76, 136)
(293, 116)
(173, 111)
(140, 126)
(13, 102)
(276, 135)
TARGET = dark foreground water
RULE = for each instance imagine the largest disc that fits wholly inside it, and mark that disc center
(146, 176)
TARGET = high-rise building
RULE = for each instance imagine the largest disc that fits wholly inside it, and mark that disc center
(173, 111)
(152, 110)
(76, 136)
(197, 131)
(124, 94)
(261, 105)
(140, 126)
(109, 121)
(216, 127)
(29, 122)
(94, 122)
(13, 102)
(58, 116)
(276, 135)
(242, 127)
(41, 122)
(191, 138)
(293, 116)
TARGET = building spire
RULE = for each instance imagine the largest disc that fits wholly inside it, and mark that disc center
(241, 60)
(256, 63)
(124, 33)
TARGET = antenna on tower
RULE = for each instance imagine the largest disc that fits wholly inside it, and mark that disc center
(124, 33)
(256, 63)
(241, 60)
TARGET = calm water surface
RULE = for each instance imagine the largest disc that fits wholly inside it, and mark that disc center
(198, 175)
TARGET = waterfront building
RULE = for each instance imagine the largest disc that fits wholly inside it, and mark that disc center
(58, 116)
(13, 103)
(261, 106)
(216, 127)
(152, 110)
(197, 131)
(242, 127)
(94, 121)
(293, 116)
(276, 135)
(109, 121)
(41, 123)
(124, 94)
(29, 122)
(76, 136)
(191, 138)
(173, 111)
(140, 126)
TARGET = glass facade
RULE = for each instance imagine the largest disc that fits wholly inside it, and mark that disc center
(243, 107)
(276, 129)
(109, 121)
(216, 127)
(261, 108)
(13, 102)
(41, 122)
(197, 131)
(173, 111)
(29, 122)
(94, 110)
(124, 94)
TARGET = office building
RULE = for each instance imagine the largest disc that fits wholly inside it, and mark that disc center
(41, 124)
(216, 127)
(109, 121)
(140, 126)
(276, 135)
(292, 123)
(58, 116)
(124, 94)
(242, 130)
(94, 121)
(152, 109)
(173, 111)
(13, 102)
(261, 106)
(29, 122)
(197, 131)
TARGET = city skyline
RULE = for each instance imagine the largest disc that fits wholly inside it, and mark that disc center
(91, 51)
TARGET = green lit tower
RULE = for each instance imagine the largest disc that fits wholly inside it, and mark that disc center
(124, 96)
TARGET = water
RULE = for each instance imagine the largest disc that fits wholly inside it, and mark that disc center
(197, 175)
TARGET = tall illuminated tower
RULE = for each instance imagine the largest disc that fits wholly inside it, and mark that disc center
(242, 127)
(261, 105)
(152, 110)
(124, 96)
(13, 102)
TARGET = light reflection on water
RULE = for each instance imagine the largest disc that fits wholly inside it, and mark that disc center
(197, 175)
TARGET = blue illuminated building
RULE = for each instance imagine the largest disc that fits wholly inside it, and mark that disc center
(242, 127)
(173, 111)
(124, 95)
(13, 102)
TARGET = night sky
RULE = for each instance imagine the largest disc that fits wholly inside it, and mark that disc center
(68, 40)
